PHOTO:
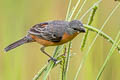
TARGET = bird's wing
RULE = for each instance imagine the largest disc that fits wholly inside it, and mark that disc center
(51, 31)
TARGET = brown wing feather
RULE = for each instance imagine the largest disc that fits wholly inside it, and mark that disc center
(51, 31)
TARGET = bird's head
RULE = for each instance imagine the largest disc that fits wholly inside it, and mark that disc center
(77, 26)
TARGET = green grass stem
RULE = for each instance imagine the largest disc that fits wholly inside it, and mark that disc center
(104, 35)
(66, 64)
(90, 20)
(36, 77)
(68, 10)
(97, 3)
(51, 64)
(80, 9)
(115, 44)
(74, 10)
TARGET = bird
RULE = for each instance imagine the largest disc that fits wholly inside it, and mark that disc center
(50, 33)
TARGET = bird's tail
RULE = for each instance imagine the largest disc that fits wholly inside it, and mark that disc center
(18, 43)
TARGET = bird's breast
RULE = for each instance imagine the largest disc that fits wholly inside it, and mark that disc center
(66, 37)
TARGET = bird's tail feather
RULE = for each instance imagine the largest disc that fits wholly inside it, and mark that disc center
(17, 43)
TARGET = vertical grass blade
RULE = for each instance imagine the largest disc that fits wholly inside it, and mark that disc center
(51, 64)
(89, 10)
(89, 23)
(36, 77)
(66, 65)
(80, 9)
(105, 36)
(74, 10)
(114, 46)
(68, 10)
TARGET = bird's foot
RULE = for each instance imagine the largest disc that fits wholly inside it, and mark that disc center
(53, 59)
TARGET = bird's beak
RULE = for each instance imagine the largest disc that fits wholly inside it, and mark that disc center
(82, 30)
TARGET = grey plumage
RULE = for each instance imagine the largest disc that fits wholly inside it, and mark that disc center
(54, 30)
(51, 31)
(26, 39)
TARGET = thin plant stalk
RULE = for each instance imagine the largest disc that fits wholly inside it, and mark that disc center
(90, 20)
(105, 36)
(36, 77)
(68, 10)
(66, 64)
(74, 10)
(80, 9)
(115, 44)
(51, 64)
(85, 56)
(93, 8)
(97, 3)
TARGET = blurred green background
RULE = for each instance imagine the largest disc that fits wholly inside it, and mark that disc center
(22, 63)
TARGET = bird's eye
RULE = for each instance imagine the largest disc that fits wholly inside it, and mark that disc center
(74, 28)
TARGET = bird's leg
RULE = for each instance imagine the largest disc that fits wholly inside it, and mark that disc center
(51, 58)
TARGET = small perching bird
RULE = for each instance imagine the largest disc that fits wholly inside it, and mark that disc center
(51, 33)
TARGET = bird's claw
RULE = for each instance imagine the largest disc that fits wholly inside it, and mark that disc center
(53, 59)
